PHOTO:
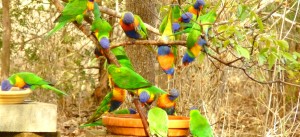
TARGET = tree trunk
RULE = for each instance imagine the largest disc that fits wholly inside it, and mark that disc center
(5, 52)
(142, 59)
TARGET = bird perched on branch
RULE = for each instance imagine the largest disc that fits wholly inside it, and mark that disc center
(73, 11)
(133, 26)
(196, 8)
(128, 79)
(167, 101)
(28, 80)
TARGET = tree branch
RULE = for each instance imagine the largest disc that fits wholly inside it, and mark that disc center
(147, 42)
(229, 64)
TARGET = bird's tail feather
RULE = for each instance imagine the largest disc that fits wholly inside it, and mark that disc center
(57, 91)
(56, 28)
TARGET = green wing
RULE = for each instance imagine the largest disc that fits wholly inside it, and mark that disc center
(102, 108)
(155, 90)
(143, 30)
(126, 78)
(199, 125)
(70, 13)
(31, 78)
(96, 11)
(158, 122)
(193, 35)
(121, 56)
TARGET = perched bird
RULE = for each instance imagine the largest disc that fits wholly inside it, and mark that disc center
(128, 79)
(166, 60)
(28, 80)
(73, 11)
(186, 17)
(158, 122)
(194, 51)
(112, 101)
(102, 29)
(196, 8)
(133, 26)
(90, 5)
(199, 126)
(165, 56)
(167, 101)
(146, 95)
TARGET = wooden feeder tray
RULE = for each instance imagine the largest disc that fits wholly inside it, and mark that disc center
(131, 124)
(14, 96)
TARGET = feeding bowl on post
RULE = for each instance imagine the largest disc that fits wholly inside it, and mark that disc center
(14, 96)
(131, 124)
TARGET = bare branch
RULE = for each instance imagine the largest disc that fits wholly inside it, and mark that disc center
(147, 42)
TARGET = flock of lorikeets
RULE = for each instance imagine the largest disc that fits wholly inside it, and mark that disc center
(124, 79)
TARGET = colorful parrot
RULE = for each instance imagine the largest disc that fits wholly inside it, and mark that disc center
(158, 122)
(133, 26)
(194, 51)
(102, 29)
(165, 56)
(73, 11)
(196, 8)
(199, 126)
(128, 79)
(147, 95)
(167, 101)
(112, 101)
(28, 80)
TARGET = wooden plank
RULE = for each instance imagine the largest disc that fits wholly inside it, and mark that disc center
(28, 117)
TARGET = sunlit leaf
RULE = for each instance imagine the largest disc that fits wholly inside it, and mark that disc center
(272, 58)
(243, 51)
(242, 12)
(288, 56)
(284, 45)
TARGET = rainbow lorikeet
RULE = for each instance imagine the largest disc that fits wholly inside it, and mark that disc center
(133, 26)
(73, 11)
(28, 80)
(102, 29)
(147, 95)
(199, 126)
(128, 79)
(167, 101)
(196, 8)
(194, 51)
(111, 102)
(165, 56)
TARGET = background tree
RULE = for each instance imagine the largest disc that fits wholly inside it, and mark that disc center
(6, 35)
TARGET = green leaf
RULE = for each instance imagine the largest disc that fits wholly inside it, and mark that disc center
(288, 56)
(243, 51)
(296, 54)
(158, 122)
(272, 60)
(261, 59)
(222, 28)
(284, 45)
(242, 12)
(201, 57)
(259, 21)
